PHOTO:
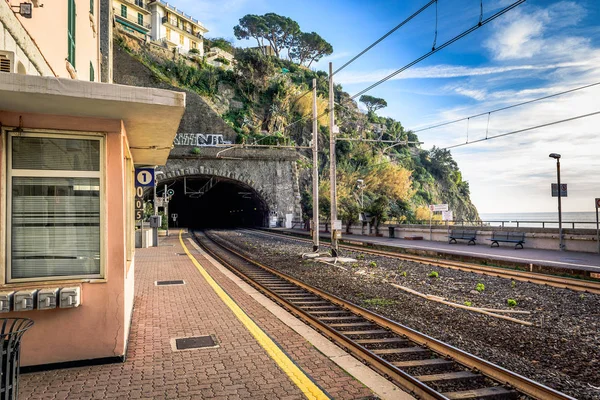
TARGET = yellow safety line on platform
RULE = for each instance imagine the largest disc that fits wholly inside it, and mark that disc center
(304, 383)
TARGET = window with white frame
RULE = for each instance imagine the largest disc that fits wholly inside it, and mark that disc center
(54, 206)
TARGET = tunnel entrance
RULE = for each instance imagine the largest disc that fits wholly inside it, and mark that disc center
(214, 202)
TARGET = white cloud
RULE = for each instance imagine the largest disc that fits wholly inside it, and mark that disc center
(513, 173)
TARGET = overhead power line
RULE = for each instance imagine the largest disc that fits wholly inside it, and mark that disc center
(375, 43)
(446, 44)
(506, 108)
(523, 130)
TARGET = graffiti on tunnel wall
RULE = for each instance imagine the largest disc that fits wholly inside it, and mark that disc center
(199, 139)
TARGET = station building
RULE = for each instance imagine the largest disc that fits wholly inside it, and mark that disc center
(70, 141)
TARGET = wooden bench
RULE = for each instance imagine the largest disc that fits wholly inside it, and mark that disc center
(510, 237)
(456, 234)
(297, 222)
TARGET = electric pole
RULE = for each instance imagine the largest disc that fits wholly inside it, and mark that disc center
(315, 144)
(332, 167)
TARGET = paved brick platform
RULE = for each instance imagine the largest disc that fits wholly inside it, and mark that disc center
(238, 369)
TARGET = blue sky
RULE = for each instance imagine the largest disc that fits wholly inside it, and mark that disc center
(540, 48)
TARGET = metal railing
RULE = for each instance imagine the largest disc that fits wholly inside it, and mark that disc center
(132, 19)
(178, 11)
(501, 223)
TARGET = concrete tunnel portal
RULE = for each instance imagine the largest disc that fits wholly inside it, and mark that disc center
(207, 201)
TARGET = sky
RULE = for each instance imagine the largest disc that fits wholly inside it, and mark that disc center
(540, 48)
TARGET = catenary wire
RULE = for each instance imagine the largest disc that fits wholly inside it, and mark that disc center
(507, 107)
(375, 43)
(523, 130)
(446, 44)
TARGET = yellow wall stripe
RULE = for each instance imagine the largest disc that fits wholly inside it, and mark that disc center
(308, 387)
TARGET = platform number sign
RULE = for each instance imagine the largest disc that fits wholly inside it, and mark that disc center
(144, 177)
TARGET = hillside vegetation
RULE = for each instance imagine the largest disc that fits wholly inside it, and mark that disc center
(261, 98)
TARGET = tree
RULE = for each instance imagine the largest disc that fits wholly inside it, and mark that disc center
(309, 47)
(252, 26)
(373, 103)
(348, 211)
(280, 31)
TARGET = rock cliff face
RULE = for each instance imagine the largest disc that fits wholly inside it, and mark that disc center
(199, 116)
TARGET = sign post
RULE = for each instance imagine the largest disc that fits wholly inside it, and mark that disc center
(435, 208)
(598, 224)
(144, 177)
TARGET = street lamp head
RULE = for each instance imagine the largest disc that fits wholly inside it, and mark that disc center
(554, 155)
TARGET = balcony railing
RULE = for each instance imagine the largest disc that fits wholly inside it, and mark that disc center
(139, 3)
(173, 23)
(129, 18)
(178, 11)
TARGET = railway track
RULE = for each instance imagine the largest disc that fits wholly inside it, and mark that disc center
(420, 364)
(532, 277)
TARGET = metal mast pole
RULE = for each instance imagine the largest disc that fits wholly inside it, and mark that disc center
(315, 144)
(332, 165)
(561, 245)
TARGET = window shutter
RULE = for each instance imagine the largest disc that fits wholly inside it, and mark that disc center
(71, 33)
(92, 7)
(92, 75)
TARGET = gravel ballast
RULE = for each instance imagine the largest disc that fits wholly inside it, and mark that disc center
(561, 349)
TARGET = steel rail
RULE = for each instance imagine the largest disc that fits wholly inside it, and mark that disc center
(522, 276)
(380, 365)
(495, 372)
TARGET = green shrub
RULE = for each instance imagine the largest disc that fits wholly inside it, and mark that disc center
(468, 303)
(480, 287)
(433, 274)
(512, 302)
(403, 273)
(378, 302)
(372, 264)
(194, 51)
(222, 60)
(196, 150)
(513, 284)
(360, 257)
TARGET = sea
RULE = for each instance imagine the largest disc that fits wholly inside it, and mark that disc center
(578, 220)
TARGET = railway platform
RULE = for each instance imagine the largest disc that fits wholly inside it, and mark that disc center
(569, 261)
(253, 349)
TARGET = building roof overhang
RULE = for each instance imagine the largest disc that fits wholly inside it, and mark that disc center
(151, 116)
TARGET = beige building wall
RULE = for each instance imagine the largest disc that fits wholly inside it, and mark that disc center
(48, 27)
(137, 18)
(176, 28)
(18, 46)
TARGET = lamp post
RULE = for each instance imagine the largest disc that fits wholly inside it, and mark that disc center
(361, 185)
(556, 156)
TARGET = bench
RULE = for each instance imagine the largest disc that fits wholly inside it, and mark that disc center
(510, 237)
(298, 222)
(456, 234)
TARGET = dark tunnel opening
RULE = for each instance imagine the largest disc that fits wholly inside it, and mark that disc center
(214, 202)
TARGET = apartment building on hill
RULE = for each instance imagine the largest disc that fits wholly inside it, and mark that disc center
(159, 21)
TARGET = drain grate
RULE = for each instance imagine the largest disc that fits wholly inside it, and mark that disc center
(168, 283)
(181, 254)
(197, 342)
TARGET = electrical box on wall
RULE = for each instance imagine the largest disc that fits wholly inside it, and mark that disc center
(70, 297)
(46, 299)
(6, 299)
(25, 300)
